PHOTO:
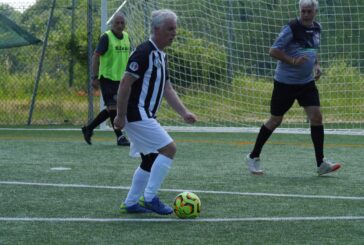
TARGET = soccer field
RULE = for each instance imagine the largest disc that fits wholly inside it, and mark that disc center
(56, 189)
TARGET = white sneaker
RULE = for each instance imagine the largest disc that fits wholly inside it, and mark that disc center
(253, 165)
(327, 167)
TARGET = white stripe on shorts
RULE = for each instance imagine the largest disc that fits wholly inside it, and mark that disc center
(146, 136)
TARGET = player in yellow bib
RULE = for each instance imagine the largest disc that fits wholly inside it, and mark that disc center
(108, 65)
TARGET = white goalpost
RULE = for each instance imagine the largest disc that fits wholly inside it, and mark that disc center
(220, 66)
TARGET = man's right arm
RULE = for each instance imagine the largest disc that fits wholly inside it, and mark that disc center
(282, 56)
(100, 50)
(276, 51)
(95, 70)
(122, 99)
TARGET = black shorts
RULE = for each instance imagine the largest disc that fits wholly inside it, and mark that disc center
(284, 95)
(109, 90)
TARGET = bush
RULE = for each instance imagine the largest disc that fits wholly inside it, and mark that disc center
(196, 62)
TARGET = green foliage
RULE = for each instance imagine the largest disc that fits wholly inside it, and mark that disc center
(195, 61)
(16, 88)
(341, 79)
(232, 106)
(62, 46)
(342, 88)
(247, 99)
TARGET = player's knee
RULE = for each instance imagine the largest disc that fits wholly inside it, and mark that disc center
(276, 124)
(273, 122)
(173, 148)
(316, 119)
(169, 150)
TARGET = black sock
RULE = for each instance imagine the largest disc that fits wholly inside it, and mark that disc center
(262, 137)
(101, 117)
(112, 114)
(317, 136)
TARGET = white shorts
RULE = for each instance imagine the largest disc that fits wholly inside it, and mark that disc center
(146, 136)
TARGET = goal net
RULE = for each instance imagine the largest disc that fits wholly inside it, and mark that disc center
(220, 66)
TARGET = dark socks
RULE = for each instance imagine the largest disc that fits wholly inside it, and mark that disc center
(317, 136)
(112, 114)
(262, 137)
(101, 117)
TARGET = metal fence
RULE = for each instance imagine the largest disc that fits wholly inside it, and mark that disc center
(47, 83)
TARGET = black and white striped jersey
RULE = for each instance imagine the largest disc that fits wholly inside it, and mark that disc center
(149, 65)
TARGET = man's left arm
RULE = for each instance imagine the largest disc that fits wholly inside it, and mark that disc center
(175, 102)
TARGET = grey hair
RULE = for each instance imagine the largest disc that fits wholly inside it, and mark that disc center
(160, 16)
(310, 3)
(118, 14)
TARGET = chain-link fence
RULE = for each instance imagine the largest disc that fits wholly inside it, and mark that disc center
(47, 83)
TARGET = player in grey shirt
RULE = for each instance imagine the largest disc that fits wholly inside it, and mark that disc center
(297, 69)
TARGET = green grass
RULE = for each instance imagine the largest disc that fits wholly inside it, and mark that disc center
(204, 162)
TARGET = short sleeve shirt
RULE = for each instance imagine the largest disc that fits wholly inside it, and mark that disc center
(149, 65)
(293, 74)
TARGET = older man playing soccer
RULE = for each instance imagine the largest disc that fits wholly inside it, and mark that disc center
(144, 83)
(297, 69)
(108, 65)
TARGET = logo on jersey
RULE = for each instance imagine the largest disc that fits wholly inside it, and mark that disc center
(134, 66)
(120, 48)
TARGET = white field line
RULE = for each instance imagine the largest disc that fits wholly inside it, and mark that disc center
(181, 190)
(251, 219)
